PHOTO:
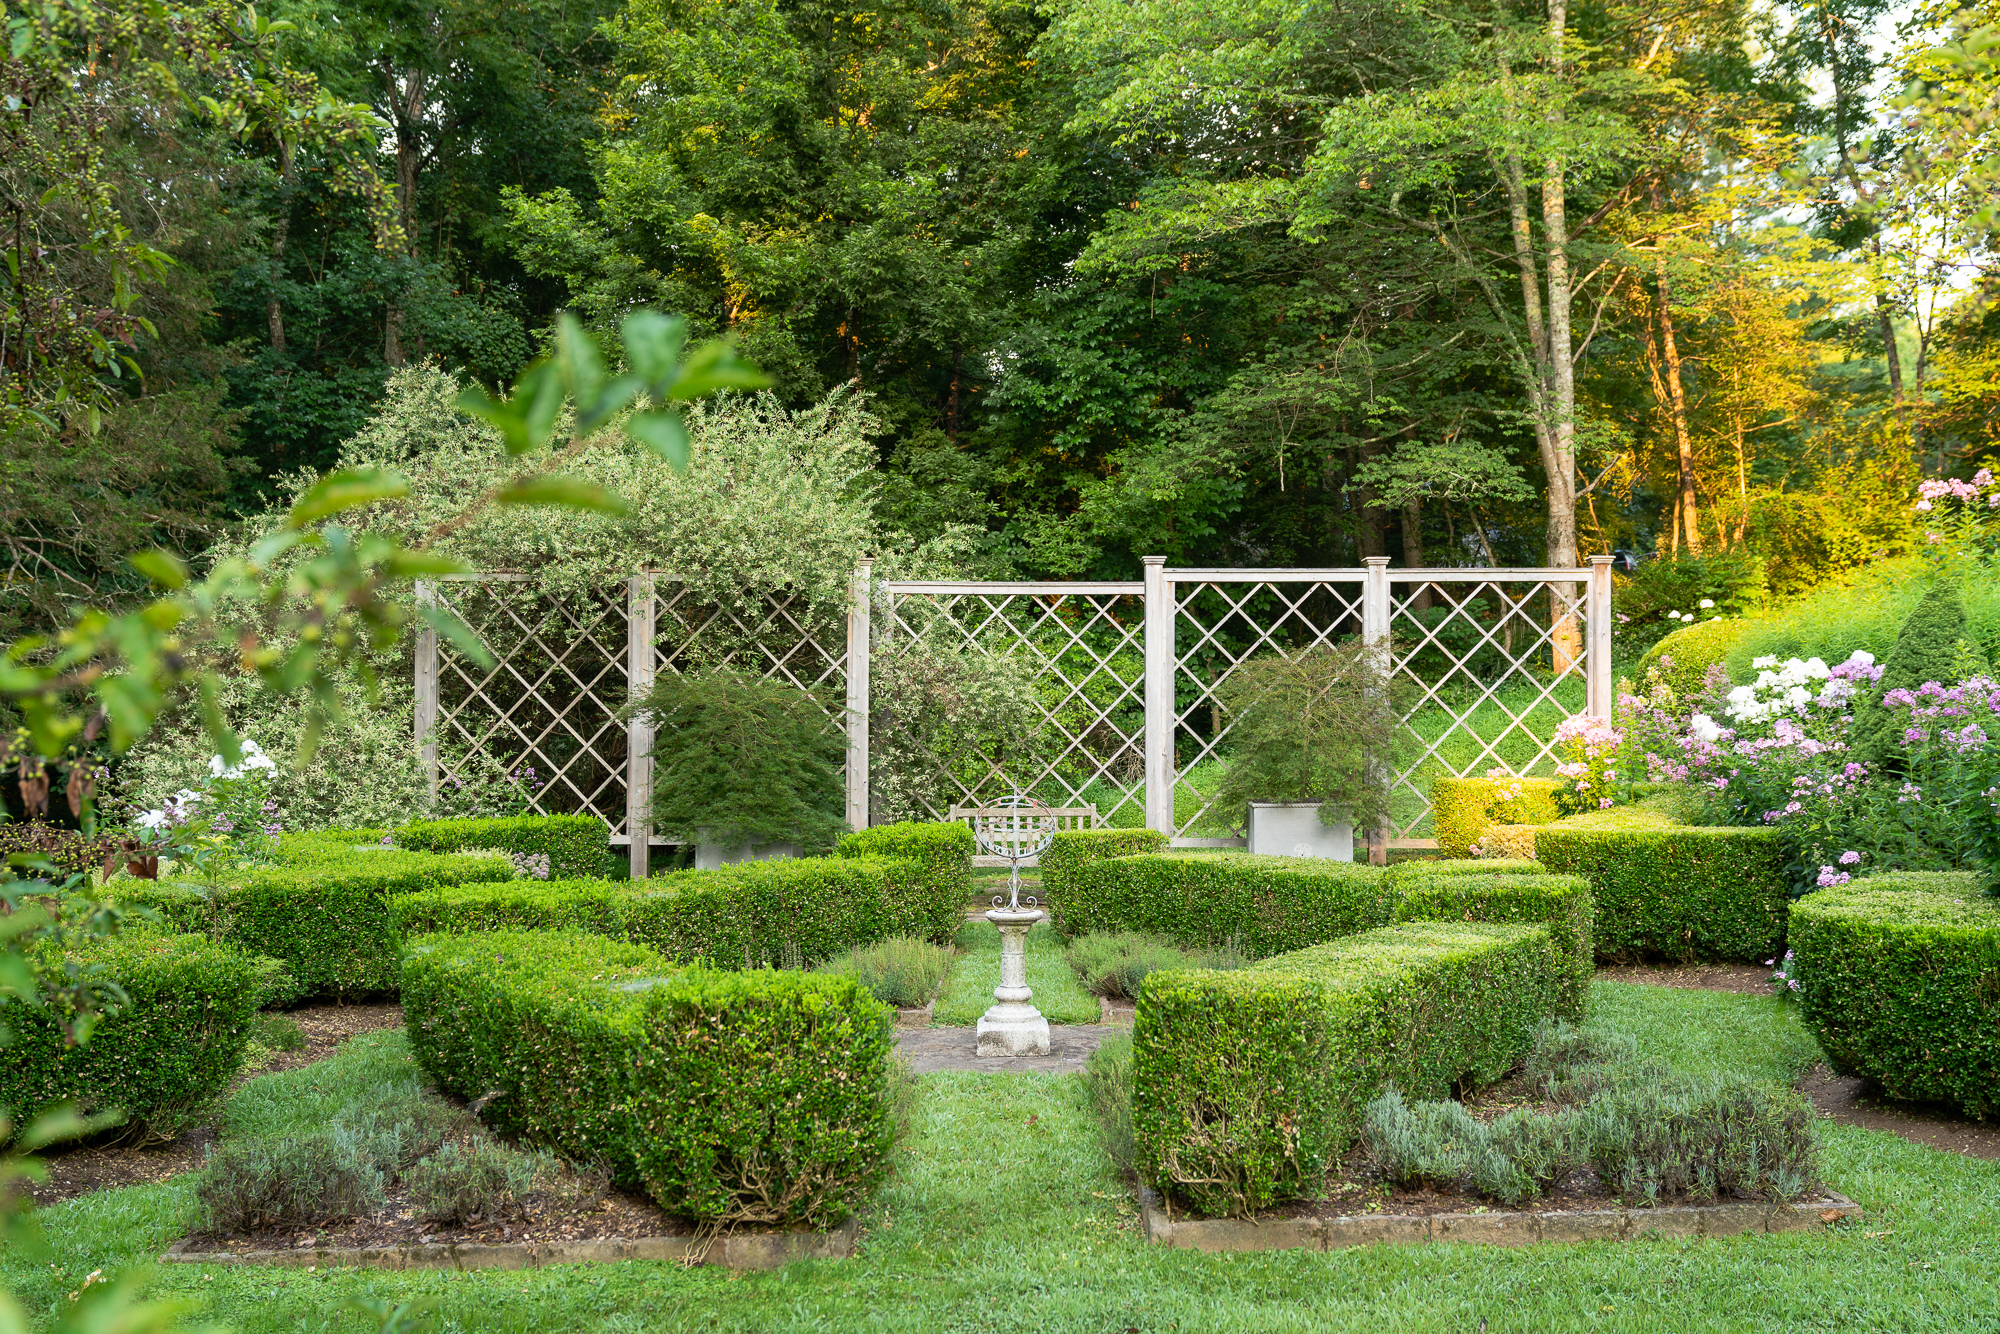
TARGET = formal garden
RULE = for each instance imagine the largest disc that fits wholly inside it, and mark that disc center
(1236, 668)
(1693, 1018)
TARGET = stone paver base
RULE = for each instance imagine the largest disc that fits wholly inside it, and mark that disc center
(932, 1049)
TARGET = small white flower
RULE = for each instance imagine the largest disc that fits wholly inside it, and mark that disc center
(1707, 603)
(1764, 663)
(151, 820)
(1705, 727)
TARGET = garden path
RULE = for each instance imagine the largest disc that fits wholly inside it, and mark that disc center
(929, 1050)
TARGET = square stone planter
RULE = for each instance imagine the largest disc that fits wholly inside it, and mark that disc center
(709, 856)
(1293, 829)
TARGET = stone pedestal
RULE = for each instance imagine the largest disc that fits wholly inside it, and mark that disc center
(1293, 829)
(1013, 1027)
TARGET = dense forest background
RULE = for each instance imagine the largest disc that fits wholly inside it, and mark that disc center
(1252, 282)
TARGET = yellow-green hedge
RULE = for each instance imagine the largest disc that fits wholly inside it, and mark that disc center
(1459, 808)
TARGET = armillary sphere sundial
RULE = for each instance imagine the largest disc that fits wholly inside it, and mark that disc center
(1016, 828)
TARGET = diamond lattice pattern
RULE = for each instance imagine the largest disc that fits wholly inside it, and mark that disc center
(1486, 684)
(1083, 740)
(545, 713)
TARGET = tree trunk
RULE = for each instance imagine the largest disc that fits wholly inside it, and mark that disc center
(274, 310)
(1413, 549)
(409, 108)
(1566, 635)
(1676, 406)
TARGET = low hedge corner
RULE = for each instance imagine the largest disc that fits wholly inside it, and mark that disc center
(1678, 892)
(758, 1097)
(1262, 905)
(1074, 848)
(1899, 979)
(574, 844)
(1460, 808)
(163, 1057)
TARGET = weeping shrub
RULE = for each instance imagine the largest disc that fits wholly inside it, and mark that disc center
(738, 760)
(1321, 725)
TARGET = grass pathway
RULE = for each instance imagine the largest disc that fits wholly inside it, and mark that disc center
(968, 987)
(1004, 1216)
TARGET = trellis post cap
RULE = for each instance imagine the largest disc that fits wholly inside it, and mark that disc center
(1376, 560)
(865, 563)
(1602, 560)
(1152, 560)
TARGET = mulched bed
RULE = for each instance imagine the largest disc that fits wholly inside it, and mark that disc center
(1849, 1101)
(613, 1214)
(78, 1169)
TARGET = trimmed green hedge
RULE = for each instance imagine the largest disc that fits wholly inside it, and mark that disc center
(1074, 849)
(758, 1097)
(1458, 808)
(1899, 979)
(326, 920)
(787, 913)
(1680, 892)
(1262, 905)
(945, 850)
(1404, 872)
(161, 1059)
(1249, 1085)
(575, 844)
(1562, 903)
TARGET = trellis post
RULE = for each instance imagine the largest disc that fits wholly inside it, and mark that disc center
(427, 690)
(860, 595)
(1375, 616)
(1159, 756)
(1597, 652)
(640, 609)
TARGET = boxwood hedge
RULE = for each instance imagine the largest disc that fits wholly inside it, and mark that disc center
(1562, 903)
(161, 1058)
(1248, 1085)
(783, 913)
(1899, 979)
(574, 844)
(758, 1097)
(1459, 806)
(1262, 905)
(1677, 892)
(945, 850)
(325, 917)
(1075, 848)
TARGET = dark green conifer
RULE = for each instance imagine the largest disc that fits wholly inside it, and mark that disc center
(1926, 648)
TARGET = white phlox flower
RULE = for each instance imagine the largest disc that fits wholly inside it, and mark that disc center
(1705, 727)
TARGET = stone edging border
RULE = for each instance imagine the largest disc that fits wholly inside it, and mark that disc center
(1499, 1228)
(734, 1250)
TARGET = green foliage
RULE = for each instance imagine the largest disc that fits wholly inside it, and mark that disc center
(160, 1057)
(783, 913)
(1115, 963)
(1462, 809)
(1072, 849)
(1928, 648)
(944, 849)
(939, 718)
(1680, 582)
(1562, 903)
(1679, 893)
(1865, 610)
(574, 844)
(480, 1179)
(1651, 1133)
(1249, 1085)
(278, 1032)
(69, 851)
(326, 919)
(1107, 1093)
(899, 971)
(1320, 725)
(1900, 981)
(1401, 873)
(297, 1181)
(1685, 656)
(1260, 905)
(739, 760)
(754, 1097)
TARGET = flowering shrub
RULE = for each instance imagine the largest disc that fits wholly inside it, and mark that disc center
(229, 819)
(1592, 747)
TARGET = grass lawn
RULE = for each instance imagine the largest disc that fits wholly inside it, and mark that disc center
(968, 987)
(1005, 1216)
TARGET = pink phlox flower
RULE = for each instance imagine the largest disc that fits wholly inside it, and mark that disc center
(1849, 858)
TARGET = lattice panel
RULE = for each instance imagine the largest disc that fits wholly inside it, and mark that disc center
(1488, 685)
(1082, 738)
(546, 712)
(1217, 625)
(780, 638)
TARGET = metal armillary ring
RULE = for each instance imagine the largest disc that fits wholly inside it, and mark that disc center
(1024, 828)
